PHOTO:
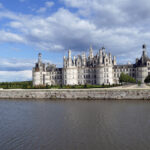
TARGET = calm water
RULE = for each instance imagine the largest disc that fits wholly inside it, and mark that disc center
(74, 125)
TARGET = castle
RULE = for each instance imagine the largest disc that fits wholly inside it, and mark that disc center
(95, 70)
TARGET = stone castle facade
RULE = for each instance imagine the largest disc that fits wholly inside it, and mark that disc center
(95, 70)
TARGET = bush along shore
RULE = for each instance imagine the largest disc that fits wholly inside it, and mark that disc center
(28, 85)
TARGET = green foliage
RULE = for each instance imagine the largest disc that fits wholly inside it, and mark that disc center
(28, 85)
(16, 85)
(125, 78)
(139, 83)
(86, 86)
(147, 79)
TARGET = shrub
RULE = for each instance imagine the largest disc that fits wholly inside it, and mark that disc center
(147, 79)
(125, 78)
(139, 83)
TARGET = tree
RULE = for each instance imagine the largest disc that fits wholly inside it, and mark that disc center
(125, 78)
(147, 79)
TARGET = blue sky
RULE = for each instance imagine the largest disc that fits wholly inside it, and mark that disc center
(51, 27)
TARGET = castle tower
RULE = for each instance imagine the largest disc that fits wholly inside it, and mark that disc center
(38, 72)
(142, 72)
(70, 73)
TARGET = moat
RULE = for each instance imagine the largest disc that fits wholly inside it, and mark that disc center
(71, 125)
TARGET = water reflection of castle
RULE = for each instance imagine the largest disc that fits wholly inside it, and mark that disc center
(99, 69)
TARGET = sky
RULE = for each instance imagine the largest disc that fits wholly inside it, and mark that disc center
(28, 27)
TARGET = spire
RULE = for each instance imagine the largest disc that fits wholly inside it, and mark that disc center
(74, 60)
(39, 58)
(69, 58)
(91, 52)
(69, 54)
(83, 56)
(144, 46)
(114, 60)
(64, 62)
(144, 50)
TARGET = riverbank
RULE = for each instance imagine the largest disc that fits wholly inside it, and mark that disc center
(76, 94)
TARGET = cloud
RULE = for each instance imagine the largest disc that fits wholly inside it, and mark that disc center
(94, 23)
(10, 37)
(16, 64)
(6, 76)
(41, 10)
(47, 4)
(1, 5)
(114, 13)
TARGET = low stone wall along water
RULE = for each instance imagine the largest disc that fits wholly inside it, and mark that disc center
(87, 94)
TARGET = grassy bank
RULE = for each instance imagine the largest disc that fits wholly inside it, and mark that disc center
(28, 85)
(16, 85)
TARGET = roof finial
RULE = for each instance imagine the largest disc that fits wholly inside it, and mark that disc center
(144, 46)
(144, 50)
(91, 52)
(39, 57)
(103, 47)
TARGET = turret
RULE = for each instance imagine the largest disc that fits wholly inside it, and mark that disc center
(114, 60)
(69, 58)
(39, 58)
(83, 56)
(74, 60)
(144, 50)
(69, 54)
(106, 59)
(40, 66)
(103, 50)
(83, 59)
(64, 61)
(100, 52)
(100, 56)
(91, 53)
(110, 59)
(137, 60)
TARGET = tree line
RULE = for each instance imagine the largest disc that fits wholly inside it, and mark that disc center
(16, 85)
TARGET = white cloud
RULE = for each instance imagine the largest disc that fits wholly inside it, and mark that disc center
(10, 37)
(63, 30)
(1, 5)
(6, 76)
(103, 24)
(47, 4)
(14, 64)
(112, 13)
(42, 10)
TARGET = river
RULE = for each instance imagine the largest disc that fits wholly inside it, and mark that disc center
(74, 125)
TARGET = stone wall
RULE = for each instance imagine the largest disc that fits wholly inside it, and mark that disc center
(85, 94)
